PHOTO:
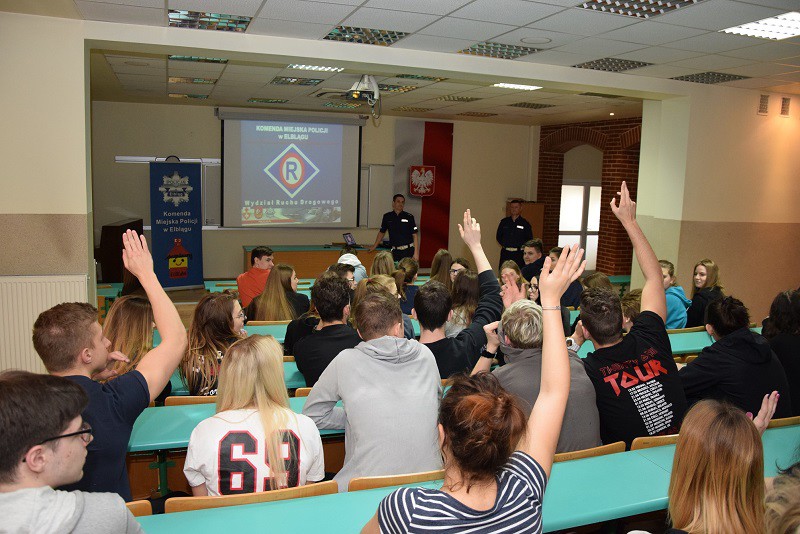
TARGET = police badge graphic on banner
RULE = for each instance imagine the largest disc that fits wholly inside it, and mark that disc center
(176, 222)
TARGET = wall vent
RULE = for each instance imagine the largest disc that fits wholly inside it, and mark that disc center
(763, 105)
(785, 102)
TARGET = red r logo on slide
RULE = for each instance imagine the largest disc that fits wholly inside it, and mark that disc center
(291, 170)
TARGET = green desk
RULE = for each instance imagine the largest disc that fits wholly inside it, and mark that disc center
(573, 314)
(109, 292)
(621, 280)
(291, 375)
(780, 450)
(571, 483)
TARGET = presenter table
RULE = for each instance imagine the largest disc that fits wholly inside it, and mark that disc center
(309, 261)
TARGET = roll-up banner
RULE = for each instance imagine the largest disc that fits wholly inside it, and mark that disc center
(176, 222)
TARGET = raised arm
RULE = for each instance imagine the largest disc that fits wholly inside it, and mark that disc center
(544, 424)
(471, 234)
(157, 365)
(484, 364)
(653, 296)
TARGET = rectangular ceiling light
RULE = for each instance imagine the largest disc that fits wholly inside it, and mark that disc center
(641, 9)
(186, 79)
(412, 109)
(611, 64)
(710, 77)
(198, 59)
(517, 86)
(320, 68)
(475, 114)
(775, 28)
(184, 95)
(531, 105)
(396, 88)
(208, 21)
(350, 34)
(342, 105)
(456, 98)
(267, 100)
(285, 80)
(420, 77)
(498, 50)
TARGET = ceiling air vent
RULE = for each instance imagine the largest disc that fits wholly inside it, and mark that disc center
(710, 77)
(763, 105)
(642, 9)
(531, 105)
(612, 64)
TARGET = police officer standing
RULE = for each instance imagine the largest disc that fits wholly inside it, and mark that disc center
(403, 236)
(512, 233)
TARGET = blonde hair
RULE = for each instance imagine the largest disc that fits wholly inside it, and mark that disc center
(272, 304)
(367, 286)
(783, 503)
(712, 275)
(717, 482)
(522, 323)
(252, 377)
(666, 264)
(129, 328)
(511, 264)
(210, 334)
(383, 263)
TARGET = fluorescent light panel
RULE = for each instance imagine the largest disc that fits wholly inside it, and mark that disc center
(517, 86)
(641, 9)
(267, 100)
(710, 77)
(320, 68)
(498, 50)
(412, 109)
(184, 95)
(352, 34)
(200, 81)
(197, 20)
(285, 80)
(775, 28)
(198, 59)
(421, 77)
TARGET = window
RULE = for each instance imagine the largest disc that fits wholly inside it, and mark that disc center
(579, 219)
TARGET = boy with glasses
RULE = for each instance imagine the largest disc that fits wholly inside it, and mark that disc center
(43, 446)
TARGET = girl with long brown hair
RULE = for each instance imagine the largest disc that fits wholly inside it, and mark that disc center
(217, 323)
(129, 327)
(466, 292)
(440, 267)
(280, 300)
(706, 288)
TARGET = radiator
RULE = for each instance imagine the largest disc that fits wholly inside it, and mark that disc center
(22, 299)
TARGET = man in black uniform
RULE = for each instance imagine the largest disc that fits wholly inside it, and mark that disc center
(512, 233)
(403, 236)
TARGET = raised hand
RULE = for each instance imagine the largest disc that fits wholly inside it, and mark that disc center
(470, 231)
(135, 256)
(511, 292)
(626, 211)
(768, 406)
(568, 268)
(492, 339)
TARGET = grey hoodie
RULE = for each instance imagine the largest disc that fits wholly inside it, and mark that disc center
(44, 510)
(390, 389)
(351, 259)
(522, 376)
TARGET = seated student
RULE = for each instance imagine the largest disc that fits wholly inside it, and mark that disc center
(456, 266)
(783, 502)
(217, 323)
(496, 464)
(677, 303)
(533, 257)
(383, 263)
(510, 273)
(252, 283)
(283, 449)
(71, 344)
(380, 283)
(280, 300)
(572, 296)
(433, 308)
(440, 267)
(597, 279)
(346, 272)
(465, 293)
(409, 267)
(631, 304)
(635, 378)
(129, 328)
(739, 367)
(707, 288)
(350, 257)
(313, 353)
(519, 335)
(42, 447)
(782, 330)
(390, 389)
(717, 481)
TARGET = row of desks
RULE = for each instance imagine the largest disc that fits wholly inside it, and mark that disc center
(579, 492)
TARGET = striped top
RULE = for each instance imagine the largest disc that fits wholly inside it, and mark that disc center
(517, 508)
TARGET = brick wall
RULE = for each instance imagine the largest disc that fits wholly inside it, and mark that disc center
(619, 142)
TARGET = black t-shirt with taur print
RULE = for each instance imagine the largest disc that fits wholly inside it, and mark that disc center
(638, 389)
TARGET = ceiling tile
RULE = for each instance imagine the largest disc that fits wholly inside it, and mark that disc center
(785, 5)
(663, 71)
(302, 73)
(386, 19)
(247, 8)
(514, 12)
(190, 88)
(536, 38)
(770, 51)
(286, 28)
(232, 70)
(605, 46)
(158, 4)
(437, 7)
(790, 61)
(659, 54)
(341, 81)
(652, 33)
(554, 57)
(465, 29)
(122, 14)
(134, 78)
(751, 83)
(583, 22)
(432, 43)
(303, 11)
(147, 71)
(717, 14)
(188, 68)
(712, 62)
(712, 43)
(761, 69)
(136, 61)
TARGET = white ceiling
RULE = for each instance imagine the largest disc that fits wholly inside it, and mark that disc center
(678, 43)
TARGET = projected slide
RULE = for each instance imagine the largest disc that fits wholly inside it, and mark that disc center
(291, 173)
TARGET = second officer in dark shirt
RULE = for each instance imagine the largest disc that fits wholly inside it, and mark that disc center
(512, 233)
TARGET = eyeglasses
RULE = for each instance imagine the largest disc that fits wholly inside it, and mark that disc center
(351, 280)
(454, 271)
(241, 315)
(534, 286)
(85, 433)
